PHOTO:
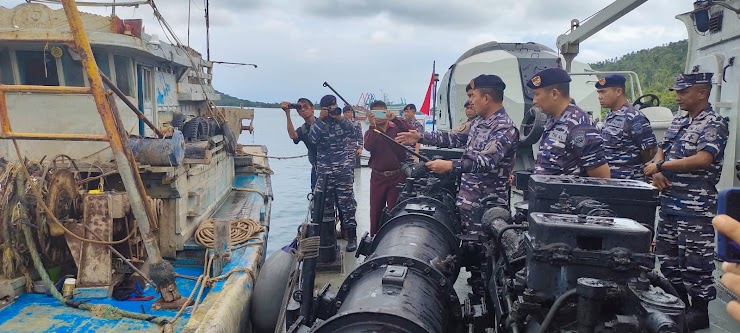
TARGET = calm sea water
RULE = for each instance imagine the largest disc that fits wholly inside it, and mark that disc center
(291, 180)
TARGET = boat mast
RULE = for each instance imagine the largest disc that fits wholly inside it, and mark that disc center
(208, 36)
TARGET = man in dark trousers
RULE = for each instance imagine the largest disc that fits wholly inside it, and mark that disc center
(330, 133)
(385, 162)
(687, 168)
(301, 134)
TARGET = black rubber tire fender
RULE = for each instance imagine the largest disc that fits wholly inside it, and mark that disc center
(533, 125)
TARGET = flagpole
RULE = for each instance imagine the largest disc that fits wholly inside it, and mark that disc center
(434, 95)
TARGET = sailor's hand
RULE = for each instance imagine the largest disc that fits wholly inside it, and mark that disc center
(731, 279)
(285, 106)
(439, 166)
(359, 151)
(389, 114)
(650, 169)
(408, 138)
(660, 181)
(324, 113)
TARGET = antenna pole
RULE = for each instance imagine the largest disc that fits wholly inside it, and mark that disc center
(208, 35)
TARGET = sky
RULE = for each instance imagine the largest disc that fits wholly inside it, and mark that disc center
(382, 46)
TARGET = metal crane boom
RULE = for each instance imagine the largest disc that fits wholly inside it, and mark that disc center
(569, 42)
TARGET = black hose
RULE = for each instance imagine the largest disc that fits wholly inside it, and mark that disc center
(554, 309)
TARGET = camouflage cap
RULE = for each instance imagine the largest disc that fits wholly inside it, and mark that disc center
(684, 81)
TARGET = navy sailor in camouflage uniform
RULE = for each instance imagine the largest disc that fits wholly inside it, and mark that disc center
(629, 141)
(331, 133)
(469, 116)
(570, 144)
(354, 144)
(490, 148)
(409, 116)
(687, 168)
(490, 145)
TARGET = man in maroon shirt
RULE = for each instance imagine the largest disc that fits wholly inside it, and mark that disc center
(385, 162)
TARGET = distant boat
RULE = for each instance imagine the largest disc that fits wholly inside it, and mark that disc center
(366, 99)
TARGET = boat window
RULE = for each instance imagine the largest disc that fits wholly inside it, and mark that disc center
(146, 84)
(123, 73)
(6, 70)
(37, 68)
(72, 70)
(101, 58)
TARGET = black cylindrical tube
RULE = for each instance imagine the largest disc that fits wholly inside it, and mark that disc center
(328, 239)
(391, 299)
(308, 277)
(399, 288)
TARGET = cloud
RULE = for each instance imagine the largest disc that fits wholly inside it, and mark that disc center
(364, 46)
(459, 13)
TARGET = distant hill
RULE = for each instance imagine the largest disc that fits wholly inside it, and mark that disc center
(657, 67)
(228, 100)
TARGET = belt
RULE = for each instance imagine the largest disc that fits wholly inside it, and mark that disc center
(387, 173)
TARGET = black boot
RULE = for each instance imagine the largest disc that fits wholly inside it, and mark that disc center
(351, 239)
(698, 315)
(682, 293)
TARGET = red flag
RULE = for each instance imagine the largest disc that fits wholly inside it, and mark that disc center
(428, 99)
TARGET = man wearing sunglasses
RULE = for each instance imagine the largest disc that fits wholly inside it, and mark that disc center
(301, 134)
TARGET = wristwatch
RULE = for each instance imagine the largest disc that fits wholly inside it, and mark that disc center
(659, 165)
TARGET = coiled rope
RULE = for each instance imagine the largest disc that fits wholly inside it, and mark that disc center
(308, 247)
(242, 231)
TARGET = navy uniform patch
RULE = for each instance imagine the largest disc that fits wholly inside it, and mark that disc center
(638, 128)
(710, 134)
(490, 148)
(559, 133)
(579, 139)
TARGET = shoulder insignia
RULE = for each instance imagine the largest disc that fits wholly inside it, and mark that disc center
(579, 139)
(710, 134)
